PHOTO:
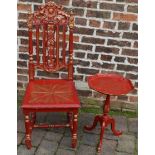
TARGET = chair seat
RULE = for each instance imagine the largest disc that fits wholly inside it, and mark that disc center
(112, 84)
(55, 93)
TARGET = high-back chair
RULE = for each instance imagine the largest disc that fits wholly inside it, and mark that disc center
(47, 52)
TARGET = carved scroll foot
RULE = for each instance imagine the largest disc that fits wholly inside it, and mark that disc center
(96, 119)
(113, 128)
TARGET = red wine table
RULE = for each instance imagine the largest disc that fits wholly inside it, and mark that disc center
(108, 84)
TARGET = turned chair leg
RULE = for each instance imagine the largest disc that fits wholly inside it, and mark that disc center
(33, 117)
(74, 131)
(28, 129)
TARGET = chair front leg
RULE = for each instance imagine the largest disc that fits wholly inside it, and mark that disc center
(74, 131)
(28, 129)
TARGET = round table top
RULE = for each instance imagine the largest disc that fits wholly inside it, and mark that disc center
(112, 84)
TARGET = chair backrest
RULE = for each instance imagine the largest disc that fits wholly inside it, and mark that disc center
(47, 39)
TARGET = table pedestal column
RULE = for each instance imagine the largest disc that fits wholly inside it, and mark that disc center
(104, 121)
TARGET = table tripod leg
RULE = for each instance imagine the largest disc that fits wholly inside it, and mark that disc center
(113, 128)
(96, 119)
(101, 136)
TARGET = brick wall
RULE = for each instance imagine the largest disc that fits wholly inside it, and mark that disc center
(105, 40)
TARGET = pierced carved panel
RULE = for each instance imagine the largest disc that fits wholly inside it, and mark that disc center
(48, 13)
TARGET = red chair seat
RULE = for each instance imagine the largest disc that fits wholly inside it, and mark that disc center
(51, 94)
(112, 84)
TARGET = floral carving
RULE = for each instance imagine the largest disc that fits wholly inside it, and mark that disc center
(49, 13)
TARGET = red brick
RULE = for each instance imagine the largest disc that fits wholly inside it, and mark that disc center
(23, 33)
(103, 65)
(133, 98)
(24, 7)
(130, 52)
(83, 3)
(82, 47)
(81, 30)
(122, 97)
(99, 14)
(109, 25)
(123, 26)
(22, 63)
(84, 92)
(22, 78)
(135, 27)
(132, 1)
(119, 59)
(78, 12)
(80, 21)
(94, 23)
(107, 33)
(132, 76)
(87, 71)
(78, 77)
(106, 57)
(133, 9)
(33, 1)
(129, 35)
(92, 56)
(22, 24)
(47, 74)
(22, 71)
(119, 43)
(79, 54)
(24, 56)
(93, 40)
(127, 68)
(23, 49)
(112, 6)
(135, 44)
(81, 62)
(23, 16)
(124, 17)
(132, 60)
(59, 2)
(107, 49)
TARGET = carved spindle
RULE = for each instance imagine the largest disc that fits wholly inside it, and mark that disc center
(70, 67)
(44, 44)
(64, 45)
(57, 45)
(31, 65)
(37, 44)
(51, 44)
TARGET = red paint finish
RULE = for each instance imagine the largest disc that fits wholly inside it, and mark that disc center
(109, 84)
(51, 95)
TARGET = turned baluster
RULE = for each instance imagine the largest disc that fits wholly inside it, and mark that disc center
(51, 44)
(64, 45)
(31, 65)
(37, 44)
(44, 44)
(70, 67)
(57, 46)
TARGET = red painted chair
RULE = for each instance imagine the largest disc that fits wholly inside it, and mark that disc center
(109, 84)
(49, 26)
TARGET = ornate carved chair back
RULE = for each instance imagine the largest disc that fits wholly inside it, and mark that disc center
(48, 28)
